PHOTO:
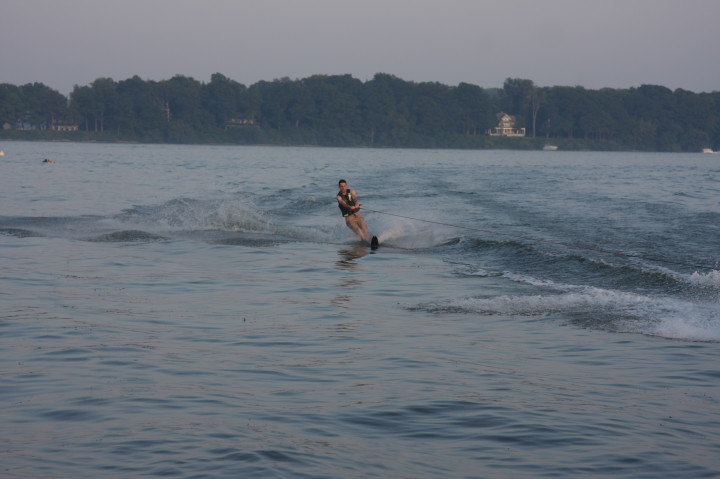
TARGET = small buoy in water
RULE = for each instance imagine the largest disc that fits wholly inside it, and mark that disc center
(2, 153)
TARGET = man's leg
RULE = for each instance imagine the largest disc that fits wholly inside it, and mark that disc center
(357, 223)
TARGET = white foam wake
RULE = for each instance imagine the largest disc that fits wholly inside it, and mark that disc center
(618, 311)
(711, 279)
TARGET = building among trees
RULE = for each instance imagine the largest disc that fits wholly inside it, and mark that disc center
(506, 126)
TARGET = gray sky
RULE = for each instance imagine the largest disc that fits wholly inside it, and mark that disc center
(593, 43)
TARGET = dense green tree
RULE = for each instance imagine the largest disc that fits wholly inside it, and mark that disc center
(277, 97)
(223, 98)
(105, 100)
(697, 116)
(301, 110)
(563, 108)
(81, 106)
(435, 111)
(477, 112)
(714, 130)
(43, 106)
(385, 111)
(338, 113)
(251, 101)
(140, 111)
(90, 105)
(537, 98)
(188, 121)
(517, 94)
(655, 107)
(377, 104)
(180, 98)
(11, 104)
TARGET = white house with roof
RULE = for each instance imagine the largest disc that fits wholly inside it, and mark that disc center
(506, 126)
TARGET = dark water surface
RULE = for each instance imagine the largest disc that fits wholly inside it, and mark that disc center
(203, 312)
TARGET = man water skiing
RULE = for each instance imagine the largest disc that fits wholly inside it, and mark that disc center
(350, 206)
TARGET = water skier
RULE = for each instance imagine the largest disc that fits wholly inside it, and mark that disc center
(350, 206)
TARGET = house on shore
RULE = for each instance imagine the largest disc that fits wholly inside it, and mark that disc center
(64, 126)
(506, 127)
(240, 122)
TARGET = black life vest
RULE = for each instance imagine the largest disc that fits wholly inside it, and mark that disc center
(348, 199)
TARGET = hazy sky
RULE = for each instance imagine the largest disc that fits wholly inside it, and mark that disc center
(593, 43)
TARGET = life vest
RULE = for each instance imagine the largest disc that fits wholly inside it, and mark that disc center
(348, 199)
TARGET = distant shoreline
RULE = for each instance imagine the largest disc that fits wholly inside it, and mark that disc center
(384, 112)
(519, 144)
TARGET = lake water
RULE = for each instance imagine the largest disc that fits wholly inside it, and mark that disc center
(203, 312)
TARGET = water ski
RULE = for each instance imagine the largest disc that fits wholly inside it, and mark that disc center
(374, 243)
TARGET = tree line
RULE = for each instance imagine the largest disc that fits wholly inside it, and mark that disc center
(339, 110)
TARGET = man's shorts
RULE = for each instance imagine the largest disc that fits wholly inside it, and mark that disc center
(356, 219)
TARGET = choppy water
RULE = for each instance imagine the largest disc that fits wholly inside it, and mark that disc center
(203, 312)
